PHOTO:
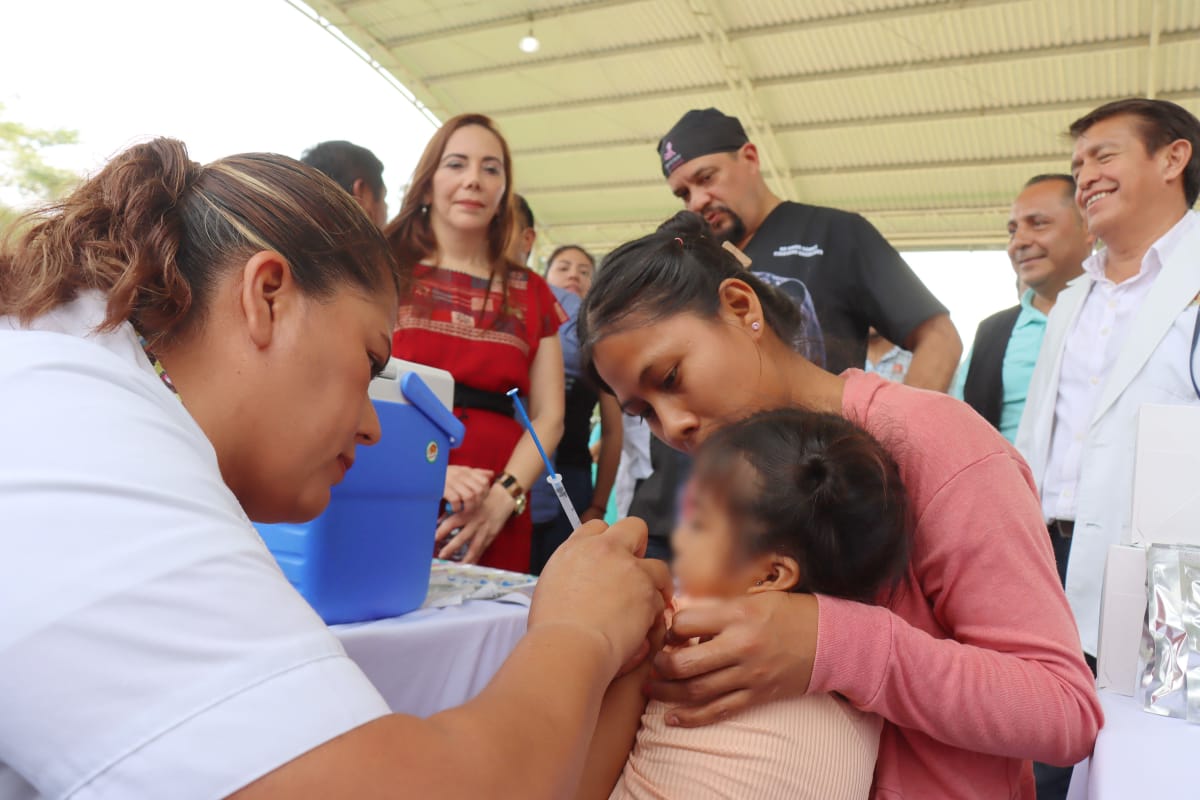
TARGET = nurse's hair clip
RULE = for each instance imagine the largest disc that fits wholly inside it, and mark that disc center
(736, 252)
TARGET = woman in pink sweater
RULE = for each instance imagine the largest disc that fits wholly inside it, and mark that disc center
(974, 662)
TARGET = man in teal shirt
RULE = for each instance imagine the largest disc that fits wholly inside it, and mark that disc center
(1047, 243)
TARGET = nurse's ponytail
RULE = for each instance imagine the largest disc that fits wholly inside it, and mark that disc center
(154, 230)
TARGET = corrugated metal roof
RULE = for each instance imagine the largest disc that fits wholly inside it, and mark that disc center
(926, 116)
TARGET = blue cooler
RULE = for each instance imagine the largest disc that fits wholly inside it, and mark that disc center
(369, 554)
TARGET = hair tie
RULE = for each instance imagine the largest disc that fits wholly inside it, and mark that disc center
(679, 241)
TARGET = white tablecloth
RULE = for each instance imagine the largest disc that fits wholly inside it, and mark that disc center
(434, 659)
(1138, 755)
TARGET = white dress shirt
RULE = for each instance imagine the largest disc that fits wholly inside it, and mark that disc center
(1091, 350)
(635, 461)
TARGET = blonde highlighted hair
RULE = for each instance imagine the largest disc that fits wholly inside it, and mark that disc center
(155, 231)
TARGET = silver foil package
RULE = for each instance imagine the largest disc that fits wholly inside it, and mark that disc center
(1189, 576)
(1164, 655)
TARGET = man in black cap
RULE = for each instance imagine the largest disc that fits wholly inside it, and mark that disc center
(856, 279)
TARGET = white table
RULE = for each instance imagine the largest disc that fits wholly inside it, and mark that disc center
(1138, 755)
(434, 659)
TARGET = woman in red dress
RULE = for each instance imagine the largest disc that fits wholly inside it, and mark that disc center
(491, 323)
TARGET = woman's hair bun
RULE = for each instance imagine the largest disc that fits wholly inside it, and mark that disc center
(813, 474)
(687, 225)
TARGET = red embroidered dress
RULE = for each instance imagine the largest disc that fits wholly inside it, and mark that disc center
(452, 322)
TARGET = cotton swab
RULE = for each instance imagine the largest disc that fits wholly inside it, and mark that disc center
(552, 477)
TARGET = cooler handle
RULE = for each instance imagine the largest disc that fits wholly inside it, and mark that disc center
(417, 392)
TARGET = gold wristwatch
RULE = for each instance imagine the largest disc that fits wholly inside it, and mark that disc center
(510, 484)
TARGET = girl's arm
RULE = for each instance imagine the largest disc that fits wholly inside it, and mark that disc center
(616, 731)
(611, 435)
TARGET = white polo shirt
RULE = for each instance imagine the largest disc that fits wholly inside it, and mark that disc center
(149, 645)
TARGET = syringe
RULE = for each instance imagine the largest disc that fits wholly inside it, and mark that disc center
(552, 477)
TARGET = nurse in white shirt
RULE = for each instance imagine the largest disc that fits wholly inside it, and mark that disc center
(183, 347)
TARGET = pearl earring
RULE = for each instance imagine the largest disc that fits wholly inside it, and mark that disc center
(424, 208)
(754, 326)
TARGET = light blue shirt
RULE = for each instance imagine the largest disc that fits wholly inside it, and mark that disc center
(1019, 359)
(893, 365)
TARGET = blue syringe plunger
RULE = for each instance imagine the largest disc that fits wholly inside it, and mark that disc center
(552, 477)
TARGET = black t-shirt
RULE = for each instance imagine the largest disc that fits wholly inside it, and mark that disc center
(854, 277)
(577, 425)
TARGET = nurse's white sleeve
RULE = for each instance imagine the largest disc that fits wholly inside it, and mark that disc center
(149, 646)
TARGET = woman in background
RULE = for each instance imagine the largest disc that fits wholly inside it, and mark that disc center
(569, 273)
(489, 322)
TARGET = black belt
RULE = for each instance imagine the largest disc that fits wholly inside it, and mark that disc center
(1064, 528)
(470, 397)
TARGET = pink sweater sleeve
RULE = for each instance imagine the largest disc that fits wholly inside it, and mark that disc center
(1010, 680)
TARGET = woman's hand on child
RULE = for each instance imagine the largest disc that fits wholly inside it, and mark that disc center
(753, 649)
(598, 582)
(466, 487)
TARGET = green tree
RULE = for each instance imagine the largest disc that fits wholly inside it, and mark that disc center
(24, 171)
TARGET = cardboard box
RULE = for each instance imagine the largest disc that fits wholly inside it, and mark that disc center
(1122, 617)
(1166, 494)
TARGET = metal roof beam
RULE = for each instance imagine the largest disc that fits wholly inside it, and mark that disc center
(979, 113)
(990, 239)
(579, 56)
(824, 172)
(886, 212)
(774, 162)
(1152, 50)
(735, 34)
(1004, 57)
(327, 15)
(507, 20)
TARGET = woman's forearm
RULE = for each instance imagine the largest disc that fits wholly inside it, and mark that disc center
(1011, 679)
(525, 735)
(611, 438)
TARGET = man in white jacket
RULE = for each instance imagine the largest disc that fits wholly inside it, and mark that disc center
(1121, 335)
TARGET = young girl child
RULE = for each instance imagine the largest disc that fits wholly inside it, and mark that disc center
(784, 501)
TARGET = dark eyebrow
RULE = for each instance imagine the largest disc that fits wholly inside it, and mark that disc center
(464, 157)
(641, 380)
(1091, 150)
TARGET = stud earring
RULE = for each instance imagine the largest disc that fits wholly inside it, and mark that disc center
(754, 326)
(758, 582)
(424, 208)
